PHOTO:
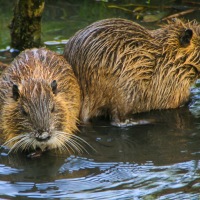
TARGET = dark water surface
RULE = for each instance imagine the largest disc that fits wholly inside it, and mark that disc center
(155, 161)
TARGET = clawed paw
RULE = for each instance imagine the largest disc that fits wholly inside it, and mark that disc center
(130, 122)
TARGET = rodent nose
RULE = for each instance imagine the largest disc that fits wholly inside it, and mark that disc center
(42, 136)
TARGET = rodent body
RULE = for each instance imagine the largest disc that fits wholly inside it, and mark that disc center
(124, 68)
(39, 102)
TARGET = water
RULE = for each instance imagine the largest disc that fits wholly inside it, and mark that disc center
(154, 161)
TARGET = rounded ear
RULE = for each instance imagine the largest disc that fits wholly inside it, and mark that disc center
(54, 87)
(186, 37)
(15, 92)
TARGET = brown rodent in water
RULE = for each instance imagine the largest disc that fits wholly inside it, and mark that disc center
(124, 68)
(39, 102)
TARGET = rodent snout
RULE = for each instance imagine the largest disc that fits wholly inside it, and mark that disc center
(42, 136)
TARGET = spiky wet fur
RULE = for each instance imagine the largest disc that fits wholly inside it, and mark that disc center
(124, 68)
(37, 107)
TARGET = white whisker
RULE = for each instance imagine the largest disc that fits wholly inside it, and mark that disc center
(73, 146)
(83, 141)
(70, 141)
(12, 140)
(62, 141)
(21, 141)
(64, 144)
(17, 145)
(77, 146)
(28, 144)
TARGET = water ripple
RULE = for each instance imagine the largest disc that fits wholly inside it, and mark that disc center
(6, 170)
(114, 180)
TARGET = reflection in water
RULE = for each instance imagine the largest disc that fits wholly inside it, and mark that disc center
(164, 142)
(158, 160)
(122, 180)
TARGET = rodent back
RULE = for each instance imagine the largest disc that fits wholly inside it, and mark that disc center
(109, 53)
(105, 44)
(123, 63)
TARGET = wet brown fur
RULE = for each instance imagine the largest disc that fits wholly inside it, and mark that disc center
(2, 66)
(124, 68)
(38, 108)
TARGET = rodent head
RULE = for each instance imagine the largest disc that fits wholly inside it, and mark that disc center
(36, 116)
(181, 42)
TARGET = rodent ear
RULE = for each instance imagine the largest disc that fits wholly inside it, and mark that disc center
(186, 37)
(54, 86)
(15, 91)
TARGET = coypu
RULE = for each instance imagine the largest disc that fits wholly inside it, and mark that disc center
(39, 103)
(124, 68)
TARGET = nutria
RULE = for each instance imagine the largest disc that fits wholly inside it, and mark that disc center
(124, 68)
(39, 102)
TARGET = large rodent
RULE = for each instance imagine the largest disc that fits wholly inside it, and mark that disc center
(39, 102)
(124, 68)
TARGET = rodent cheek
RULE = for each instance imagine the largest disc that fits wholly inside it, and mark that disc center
(24, 124)
(18, 125)
(56, 120)
(52, 124)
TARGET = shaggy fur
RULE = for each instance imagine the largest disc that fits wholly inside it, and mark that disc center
(124, 68)
(39, 102)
